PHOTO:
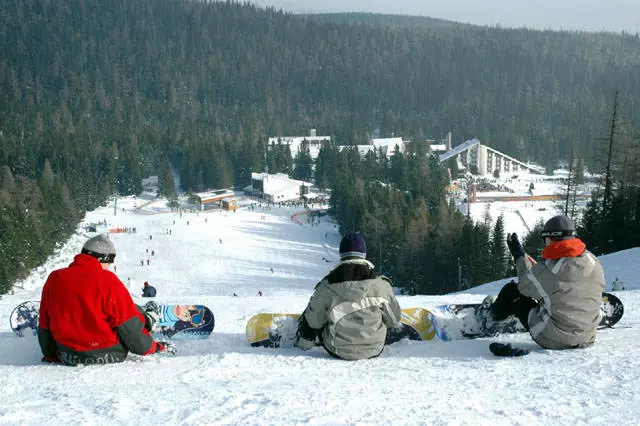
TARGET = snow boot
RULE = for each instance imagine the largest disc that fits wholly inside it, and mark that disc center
(484, 315)
(151, 314)
(502, 349)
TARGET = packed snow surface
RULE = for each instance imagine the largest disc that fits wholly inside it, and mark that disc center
(521, 216)
(209, 256)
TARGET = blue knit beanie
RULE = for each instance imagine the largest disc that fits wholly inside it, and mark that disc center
(353, 245)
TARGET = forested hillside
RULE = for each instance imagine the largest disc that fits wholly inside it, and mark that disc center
(109, 91)
(382, 19)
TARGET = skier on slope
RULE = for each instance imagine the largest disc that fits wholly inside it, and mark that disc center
(87, 315)
(558, 300)
(617, 285)
(351, 308)
(148, 290)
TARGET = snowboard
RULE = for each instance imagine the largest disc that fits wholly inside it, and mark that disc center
(279, 330)
(442, 322)
(179, 322)
(458, 321)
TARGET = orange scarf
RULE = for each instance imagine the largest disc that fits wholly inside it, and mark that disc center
(567, 248)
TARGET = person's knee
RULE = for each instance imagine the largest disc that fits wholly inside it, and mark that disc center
(511, 288)
(503, 306)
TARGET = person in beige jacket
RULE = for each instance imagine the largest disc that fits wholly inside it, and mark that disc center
(558, 299)
(351, 308)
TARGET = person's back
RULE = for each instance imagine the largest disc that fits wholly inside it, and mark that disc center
(568, 284)
(351, 308)
(76, 300)
(617, 285)
(574, 306)
(87, 314)
(148, 290)
(361, 309)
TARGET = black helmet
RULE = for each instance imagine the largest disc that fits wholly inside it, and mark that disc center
(559, 227)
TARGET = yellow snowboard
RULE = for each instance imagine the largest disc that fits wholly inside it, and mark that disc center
(272, 330)
(419, 319)
(279, 330)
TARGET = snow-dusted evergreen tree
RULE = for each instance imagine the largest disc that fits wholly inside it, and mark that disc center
(498, 256)
(303, 164)
(166, 184)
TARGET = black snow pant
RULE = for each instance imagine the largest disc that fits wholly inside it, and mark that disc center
(511, 302)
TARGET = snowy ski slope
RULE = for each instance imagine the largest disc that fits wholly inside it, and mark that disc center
(224, 381)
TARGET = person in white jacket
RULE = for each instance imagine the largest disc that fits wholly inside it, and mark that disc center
(558, 299)
(351, 308)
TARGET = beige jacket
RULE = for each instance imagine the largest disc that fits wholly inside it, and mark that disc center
(353, 307)
(569, 292)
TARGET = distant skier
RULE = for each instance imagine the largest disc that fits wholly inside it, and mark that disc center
(148, 290)
(617, 285)
(260, 293)
(557, 300)
(351, 308)
(77, 292)
(147, 261)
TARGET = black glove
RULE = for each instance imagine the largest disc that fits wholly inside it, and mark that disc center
(166, 347)
(514, 245)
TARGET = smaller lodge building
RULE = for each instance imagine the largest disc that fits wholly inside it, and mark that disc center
(220, 198)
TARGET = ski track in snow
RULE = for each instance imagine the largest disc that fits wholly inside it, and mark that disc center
(222, 380)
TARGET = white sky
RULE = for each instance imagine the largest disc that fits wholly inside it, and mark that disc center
(589, 15)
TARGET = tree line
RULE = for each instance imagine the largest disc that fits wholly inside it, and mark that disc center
(414, 234)
(107, 92)
(611, 220)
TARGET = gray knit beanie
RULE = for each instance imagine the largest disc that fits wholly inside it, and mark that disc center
(101, 248)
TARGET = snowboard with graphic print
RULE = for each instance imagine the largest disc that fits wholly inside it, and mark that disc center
(178, 322)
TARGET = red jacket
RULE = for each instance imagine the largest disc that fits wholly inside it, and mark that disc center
(88, 316)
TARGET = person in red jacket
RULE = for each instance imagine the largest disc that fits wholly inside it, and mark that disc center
(87, 316)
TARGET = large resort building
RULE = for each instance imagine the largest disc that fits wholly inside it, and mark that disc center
(313, 142)
(470, 155)
(486, 160)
